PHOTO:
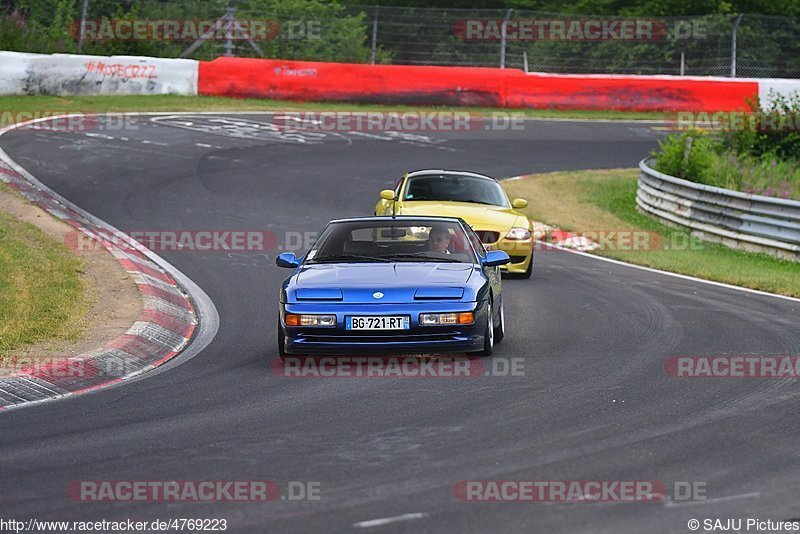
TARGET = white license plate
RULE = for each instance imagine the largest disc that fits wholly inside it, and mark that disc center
(398, 322)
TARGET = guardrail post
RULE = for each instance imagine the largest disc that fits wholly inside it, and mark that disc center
(733, 44)
(84, 14)
(374, 48)
(503, 39)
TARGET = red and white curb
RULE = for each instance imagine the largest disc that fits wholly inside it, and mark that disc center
(164, 329)
(571, 240)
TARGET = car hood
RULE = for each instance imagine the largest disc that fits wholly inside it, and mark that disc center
(399, 282)
(479, 216)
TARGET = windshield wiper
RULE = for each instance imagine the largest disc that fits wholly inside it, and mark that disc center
(348, 257)
(423, 258)
(468, 201)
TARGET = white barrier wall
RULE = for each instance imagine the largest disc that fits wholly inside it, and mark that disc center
(62, 74)
(769, 88)
(13, 72)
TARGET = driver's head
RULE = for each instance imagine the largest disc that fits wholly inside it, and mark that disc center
(439, 239)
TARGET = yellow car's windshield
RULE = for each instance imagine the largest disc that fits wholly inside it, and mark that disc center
(455, 188)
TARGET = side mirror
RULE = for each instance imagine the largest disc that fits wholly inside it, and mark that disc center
(519, 203)
(494, 258)
(288, 260)
(387, 194)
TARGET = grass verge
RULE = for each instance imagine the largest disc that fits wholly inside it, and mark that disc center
(12, 105)
(604, 201)
(42, 293)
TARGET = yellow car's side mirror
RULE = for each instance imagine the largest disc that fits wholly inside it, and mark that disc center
(519, 203)
(387, 194)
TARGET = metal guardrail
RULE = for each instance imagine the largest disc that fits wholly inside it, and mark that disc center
(755, 223)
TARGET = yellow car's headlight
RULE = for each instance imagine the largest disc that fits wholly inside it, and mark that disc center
(518, 234)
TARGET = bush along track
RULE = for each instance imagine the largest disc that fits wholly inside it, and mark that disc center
(756, 152)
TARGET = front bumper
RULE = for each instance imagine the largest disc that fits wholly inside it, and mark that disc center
(303, 340)
(520, 252)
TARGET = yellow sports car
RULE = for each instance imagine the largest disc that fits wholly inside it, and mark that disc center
(476, 198)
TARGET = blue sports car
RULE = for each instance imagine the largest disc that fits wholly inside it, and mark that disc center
(396, 285)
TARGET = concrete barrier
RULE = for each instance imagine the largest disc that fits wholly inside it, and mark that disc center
(62, 74)
(385, 84)
(345, 82)
(510, 88)
(770, 88)
(14, 67)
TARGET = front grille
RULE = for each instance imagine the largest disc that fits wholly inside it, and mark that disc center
(488, 236)
(360, 338)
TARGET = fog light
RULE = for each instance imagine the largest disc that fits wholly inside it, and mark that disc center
(293, 319)
(439, 319)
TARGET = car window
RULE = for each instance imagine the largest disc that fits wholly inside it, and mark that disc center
(393, 240)
(455, 188)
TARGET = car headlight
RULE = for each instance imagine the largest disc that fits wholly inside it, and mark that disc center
(293, 319)
(519, 234)
(440, 319)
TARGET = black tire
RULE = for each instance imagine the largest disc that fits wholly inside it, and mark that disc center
(520, 276)
(500, 329)
(488, 336)
(281, 342)
(529, 271)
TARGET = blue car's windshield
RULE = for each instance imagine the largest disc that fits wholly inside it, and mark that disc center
(455, 188)
(391, 240)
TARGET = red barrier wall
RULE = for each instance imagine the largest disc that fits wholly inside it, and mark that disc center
(465, 86)
(386, 84)
(639, 93)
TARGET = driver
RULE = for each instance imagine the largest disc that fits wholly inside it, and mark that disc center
(439, 239)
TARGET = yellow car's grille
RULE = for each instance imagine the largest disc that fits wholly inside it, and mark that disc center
(487, 236)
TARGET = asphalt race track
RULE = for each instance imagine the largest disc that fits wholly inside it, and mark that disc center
(594, 403)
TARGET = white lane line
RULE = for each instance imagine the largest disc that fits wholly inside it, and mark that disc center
(99, 136)
(666, 273)
(388, 520)
(674, 504)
